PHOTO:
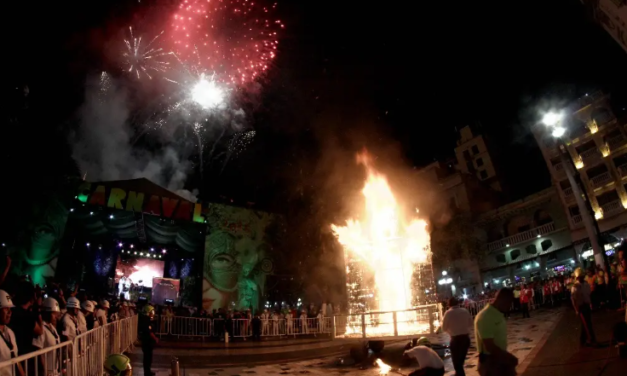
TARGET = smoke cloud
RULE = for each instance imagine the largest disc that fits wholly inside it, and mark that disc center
(102, 148)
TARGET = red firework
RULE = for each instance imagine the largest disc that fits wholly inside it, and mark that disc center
(235, 39)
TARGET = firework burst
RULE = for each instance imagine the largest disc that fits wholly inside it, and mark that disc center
(236, 39)
(143, 59)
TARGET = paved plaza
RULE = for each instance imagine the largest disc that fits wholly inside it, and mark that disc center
(525, 335)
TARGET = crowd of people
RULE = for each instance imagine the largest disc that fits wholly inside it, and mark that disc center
(33, 317)
(584, 290)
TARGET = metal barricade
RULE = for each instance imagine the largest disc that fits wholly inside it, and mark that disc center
(89, 354)
(419, 320)
(83, 356)
(51, 361)
(240, 328)
(189, 326)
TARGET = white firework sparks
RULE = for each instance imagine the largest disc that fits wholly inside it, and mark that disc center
(140, 59)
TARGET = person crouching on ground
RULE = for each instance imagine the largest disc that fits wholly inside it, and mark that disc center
(457, 323)
(429, 362)
(491, 337)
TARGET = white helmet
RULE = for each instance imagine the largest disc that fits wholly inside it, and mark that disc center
(5, 300)
(73, 303)
(50, 305)
(105, 304)
(87, 306)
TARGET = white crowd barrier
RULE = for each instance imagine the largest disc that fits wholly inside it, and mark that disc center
(84, 356)
(403, 323)
(240, 328)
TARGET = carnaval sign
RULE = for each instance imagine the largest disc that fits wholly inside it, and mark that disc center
(141, 196)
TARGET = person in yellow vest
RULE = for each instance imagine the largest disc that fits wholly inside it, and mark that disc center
(491, 337)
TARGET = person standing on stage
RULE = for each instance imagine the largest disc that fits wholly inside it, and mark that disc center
(457, 323)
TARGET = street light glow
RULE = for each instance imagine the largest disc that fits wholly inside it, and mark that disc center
(551, 119)
(558, 132)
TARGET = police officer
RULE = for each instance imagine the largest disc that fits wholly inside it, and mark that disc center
(148, 337)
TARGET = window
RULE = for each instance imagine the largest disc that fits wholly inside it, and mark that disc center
(475, 149)
(466, 155)
(500, 258)
(531, 249)
(483, 174)
(479, 162)
(515, 254)
(546, 244)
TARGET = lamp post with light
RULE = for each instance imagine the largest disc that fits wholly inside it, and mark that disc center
(553, 121)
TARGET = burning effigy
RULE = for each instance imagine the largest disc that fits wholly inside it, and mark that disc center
(388, 262)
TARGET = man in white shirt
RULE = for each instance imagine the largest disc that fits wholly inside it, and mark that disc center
(84, 315)
(8, 345)
(124, 286)
(429, 362)
(102, 313)
(69, 322)
(457, 323)
(50, 315)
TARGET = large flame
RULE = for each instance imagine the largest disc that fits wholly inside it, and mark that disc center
(386, 240)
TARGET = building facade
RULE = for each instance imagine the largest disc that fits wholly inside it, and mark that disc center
(467, 185)
(475, 158)
(525, 239)
(612, 16)
(597, 143)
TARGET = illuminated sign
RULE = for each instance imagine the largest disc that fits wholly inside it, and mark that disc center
(172, 207)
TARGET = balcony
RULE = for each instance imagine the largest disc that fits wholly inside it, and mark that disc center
(622, 170)
(612, 208)
(568, 194)
(521, 237)
(559, 169)
(576, 219)
(591, 157)
(601, 179)
(616, 142)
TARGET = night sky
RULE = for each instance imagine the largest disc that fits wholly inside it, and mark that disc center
(398, 73)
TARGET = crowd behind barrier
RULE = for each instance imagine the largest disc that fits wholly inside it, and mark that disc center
(83, 356)
(207, 328)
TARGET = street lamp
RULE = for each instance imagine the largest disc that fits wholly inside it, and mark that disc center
(553, 121)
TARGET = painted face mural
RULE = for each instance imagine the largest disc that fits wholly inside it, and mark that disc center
(236, 257)
(37, 251)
